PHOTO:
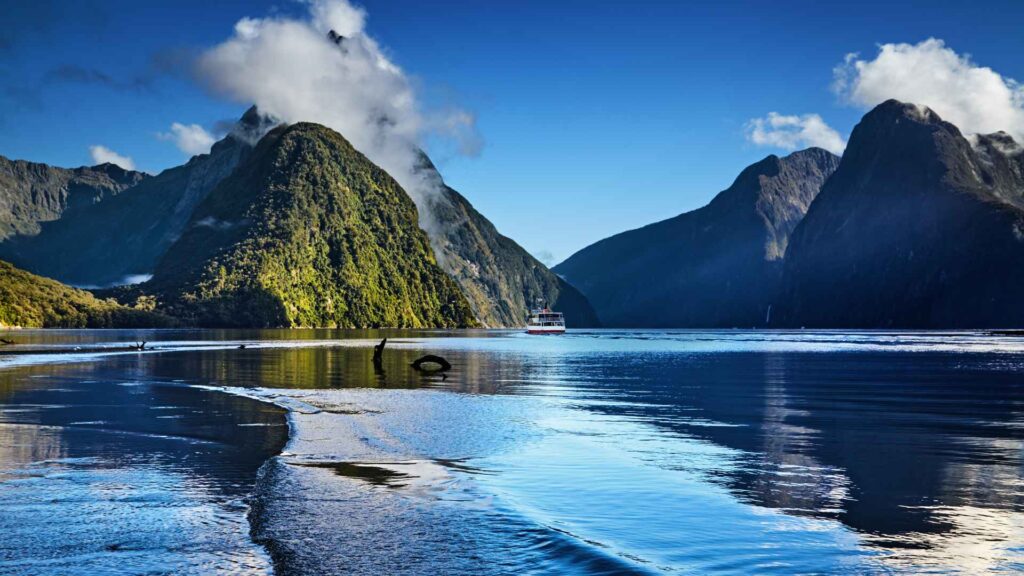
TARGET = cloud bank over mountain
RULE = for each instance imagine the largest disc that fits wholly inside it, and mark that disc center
(975, 98)
(325, 68)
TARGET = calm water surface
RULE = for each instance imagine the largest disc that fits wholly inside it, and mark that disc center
(597, 452)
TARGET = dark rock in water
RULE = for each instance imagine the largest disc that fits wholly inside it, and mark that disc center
(419, 363)
(917, 228)
(718, 266)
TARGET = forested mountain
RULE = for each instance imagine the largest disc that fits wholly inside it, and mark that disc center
(31, 301)
(307, 232)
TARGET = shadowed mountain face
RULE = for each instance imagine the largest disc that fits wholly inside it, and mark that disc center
(718, 266)
(307, 232)
(917, 228)
(501, 280)
(32, 194)
(105, 242)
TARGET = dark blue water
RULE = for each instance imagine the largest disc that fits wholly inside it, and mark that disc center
(597, 452)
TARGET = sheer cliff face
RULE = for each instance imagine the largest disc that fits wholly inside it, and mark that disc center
(501, 280)
(102, 243)
(917, 228)
(718, 266)
(33, 193)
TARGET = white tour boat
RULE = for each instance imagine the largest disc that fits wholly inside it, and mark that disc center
(544, 321)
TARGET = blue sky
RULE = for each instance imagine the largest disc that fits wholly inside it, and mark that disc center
(595, 117)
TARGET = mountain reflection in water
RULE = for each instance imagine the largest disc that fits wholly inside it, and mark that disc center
(620, 451)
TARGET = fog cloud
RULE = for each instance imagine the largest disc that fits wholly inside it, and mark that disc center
(191, 139)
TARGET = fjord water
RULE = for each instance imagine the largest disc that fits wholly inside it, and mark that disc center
(596, 452)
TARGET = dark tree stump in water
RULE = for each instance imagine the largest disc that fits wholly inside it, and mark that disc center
(378, 351)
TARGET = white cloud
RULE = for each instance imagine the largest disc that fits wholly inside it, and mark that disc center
(974, 98)
(191, 139)
(102, 155)
(793, 132)
(292, 71)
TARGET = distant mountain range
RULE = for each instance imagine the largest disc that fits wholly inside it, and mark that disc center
(32, 194)
(917, 226)
(298, 229)
(124, 236)
(720, 265)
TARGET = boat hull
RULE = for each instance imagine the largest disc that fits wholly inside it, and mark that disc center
(546, 330)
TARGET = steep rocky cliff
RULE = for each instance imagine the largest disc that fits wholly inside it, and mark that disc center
(718, 266)
(33, 193)
(108, 242)
(917, 228)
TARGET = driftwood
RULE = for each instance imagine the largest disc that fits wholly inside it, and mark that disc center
(6, 342)
(378, 352)
(431, 359)
(138, 346)
(241, 346)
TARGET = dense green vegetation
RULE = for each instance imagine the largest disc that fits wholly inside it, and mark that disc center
(307, 232)
(28, 300)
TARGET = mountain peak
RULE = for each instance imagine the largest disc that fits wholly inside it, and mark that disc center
(307, 232)
(893, 108)
(252, 126)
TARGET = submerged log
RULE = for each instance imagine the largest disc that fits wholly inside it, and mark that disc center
(418, 364)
